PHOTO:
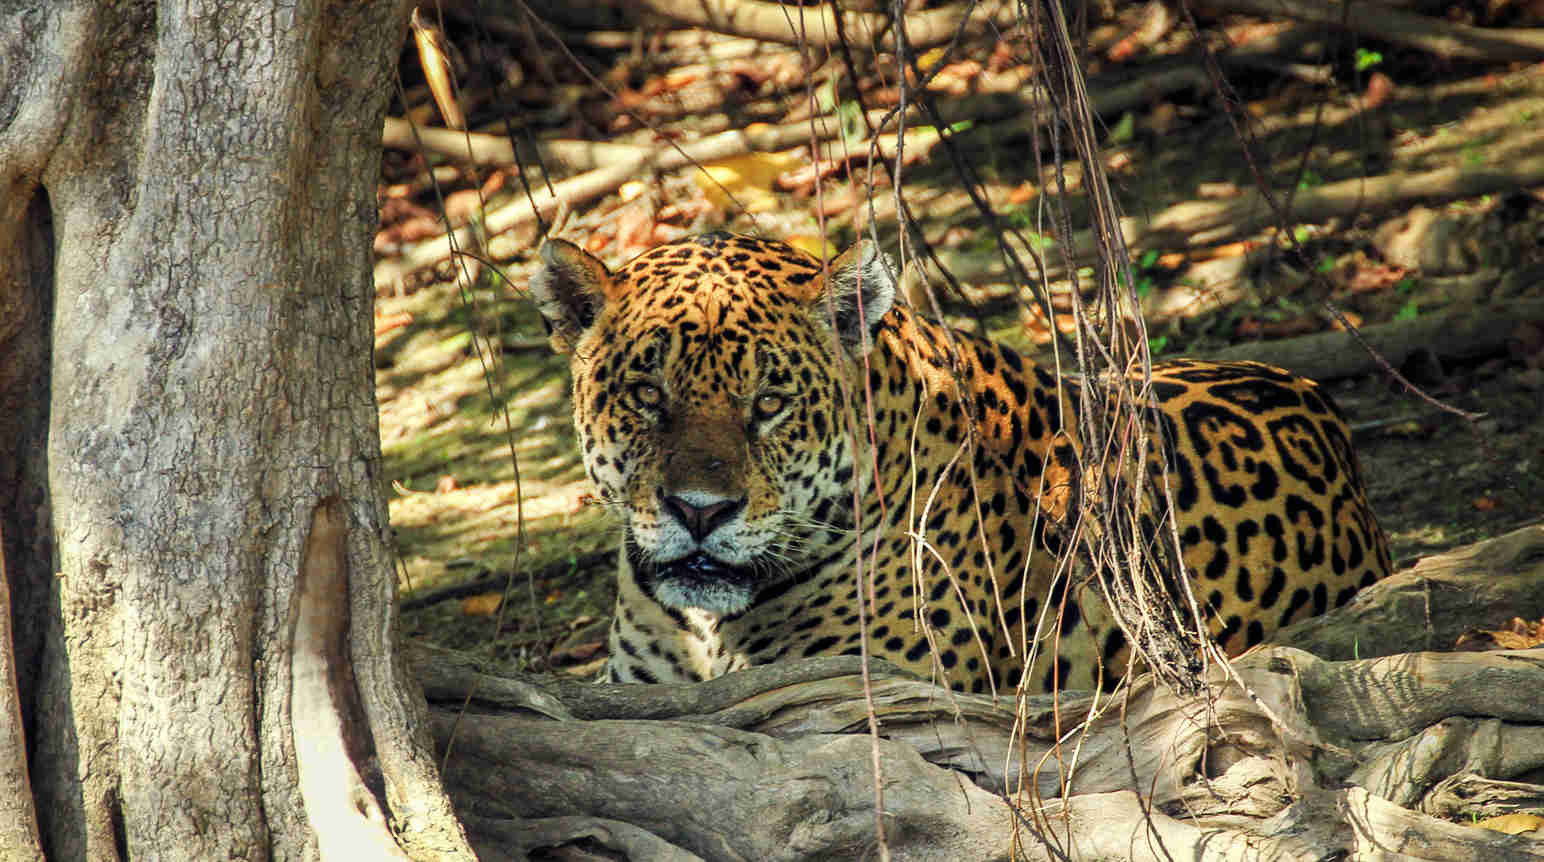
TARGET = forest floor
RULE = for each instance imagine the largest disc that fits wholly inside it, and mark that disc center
(503, 552)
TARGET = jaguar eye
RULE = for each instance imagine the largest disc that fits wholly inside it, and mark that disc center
(648, 395)
(768, 406)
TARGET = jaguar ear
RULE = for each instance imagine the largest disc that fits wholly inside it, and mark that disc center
(861, 287)
(570, 290)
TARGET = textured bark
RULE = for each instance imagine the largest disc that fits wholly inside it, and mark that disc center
(188, 193)
(1315, 759)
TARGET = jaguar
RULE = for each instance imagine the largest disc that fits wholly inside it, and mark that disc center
(804, 465)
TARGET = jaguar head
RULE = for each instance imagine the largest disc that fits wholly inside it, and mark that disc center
(710, 381)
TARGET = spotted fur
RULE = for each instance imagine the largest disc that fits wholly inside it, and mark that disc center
(774, 433)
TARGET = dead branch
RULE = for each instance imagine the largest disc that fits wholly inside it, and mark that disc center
(759, 764)
(483, 149)
(1454, 333)
(1454, 41)
(817, 26)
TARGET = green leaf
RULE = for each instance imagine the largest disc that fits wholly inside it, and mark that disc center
(1124, 129)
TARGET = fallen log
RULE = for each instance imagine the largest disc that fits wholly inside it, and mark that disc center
(1381, 22)
(1454, 333)
(479, 148)
(1304, 761)
(1197, 223)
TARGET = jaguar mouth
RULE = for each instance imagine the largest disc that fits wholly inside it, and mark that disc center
(696, 567)
(697, 580)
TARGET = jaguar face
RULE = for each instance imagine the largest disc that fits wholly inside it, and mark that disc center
(708, 381)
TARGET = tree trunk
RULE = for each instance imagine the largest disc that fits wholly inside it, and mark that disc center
(201, 588)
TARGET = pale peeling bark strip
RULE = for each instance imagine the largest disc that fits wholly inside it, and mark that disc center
(346, 817)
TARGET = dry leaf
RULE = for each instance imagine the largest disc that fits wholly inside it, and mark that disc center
(837, 201)
(1518, 634)
(1375, 276)
(955, 78)
(484, 605)
(1516, 823)
(1217, 191)
(744, 181)
(1379, 89)
(812, 244)
(632, 190)
(462, 205)
(1032, 318)
(434, 59)
(577, 653)
(1351, 317)
(931, 57)
(386, 323)
(634, 228)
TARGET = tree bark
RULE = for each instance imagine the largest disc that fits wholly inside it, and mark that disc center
(202, 585)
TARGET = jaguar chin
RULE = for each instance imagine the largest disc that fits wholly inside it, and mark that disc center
(696, 580)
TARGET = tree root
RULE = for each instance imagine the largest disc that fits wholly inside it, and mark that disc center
(1315, 758)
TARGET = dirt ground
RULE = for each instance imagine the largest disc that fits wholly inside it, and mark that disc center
(1437, 480)
(514, 564)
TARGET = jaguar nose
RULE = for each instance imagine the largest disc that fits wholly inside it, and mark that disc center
(702, 519)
